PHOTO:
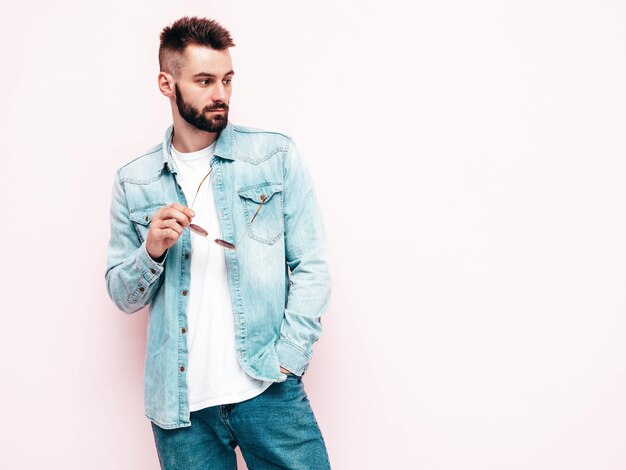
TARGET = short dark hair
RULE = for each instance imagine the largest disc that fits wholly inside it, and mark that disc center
(189, 30)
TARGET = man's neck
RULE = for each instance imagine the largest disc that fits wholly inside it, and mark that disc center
(187, 138)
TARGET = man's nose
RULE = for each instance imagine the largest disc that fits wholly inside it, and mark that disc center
(219, 93)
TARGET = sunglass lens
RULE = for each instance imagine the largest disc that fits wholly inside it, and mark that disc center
(225, 244)
(199, 230)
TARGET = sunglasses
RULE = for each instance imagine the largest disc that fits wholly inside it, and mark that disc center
(202, 232)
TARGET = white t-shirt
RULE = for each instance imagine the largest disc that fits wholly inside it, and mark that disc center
(214, 376)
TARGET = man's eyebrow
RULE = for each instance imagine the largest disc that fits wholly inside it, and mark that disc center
(207, 74)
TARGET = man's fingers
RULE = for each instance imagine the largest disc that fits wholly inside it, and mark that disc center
(184, 209)
(168, 224)
(182, 216)
(171, 224)
(170, 234)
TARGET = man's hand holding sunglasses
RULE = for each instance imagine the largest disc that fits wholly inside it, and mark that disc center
(166, 227)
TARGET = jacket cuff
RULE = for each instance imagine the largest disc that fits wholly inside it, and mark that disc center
(292, 357)
(150, 271)
(149, 268)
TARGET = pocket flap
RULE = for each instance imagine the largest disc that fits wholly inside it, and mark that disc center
(143, 215)
(257, 192)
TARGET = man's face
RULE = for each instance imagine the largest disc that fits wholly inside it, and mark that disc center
(204, 87)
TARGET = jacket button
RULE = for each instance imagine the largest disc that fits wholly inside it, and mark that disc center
(146, 218)
(182, 368)
(186, 255)
(153, 271)
(184, 292)
(141, 289)
(184, 330)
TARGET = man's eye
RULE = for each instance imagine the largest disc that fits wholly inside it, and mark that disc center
(227, 81)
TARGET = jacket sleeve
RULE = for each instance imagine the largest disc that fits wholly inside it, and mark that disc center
(132, 276)
(307, 258)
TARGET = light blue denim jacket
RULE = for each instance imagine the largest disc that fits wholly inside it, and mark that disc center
(278, 277)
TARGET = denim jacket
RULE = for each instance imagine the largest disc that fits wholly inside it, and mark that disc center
(278, 277)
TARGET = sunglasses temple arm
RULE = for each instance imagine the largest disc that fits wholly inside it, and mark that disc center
(198, 190)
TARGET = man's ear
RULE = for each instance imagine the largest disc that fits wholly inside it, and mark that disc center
(166, 84)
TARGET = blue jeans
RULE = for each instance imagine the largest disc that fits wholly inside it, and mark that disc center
(274, 430)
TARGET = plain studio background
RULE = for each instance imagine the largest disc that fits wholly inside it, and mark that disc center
(470, 162)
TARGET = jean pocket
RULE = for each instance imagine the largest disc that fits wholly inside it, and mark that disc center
(268, 225)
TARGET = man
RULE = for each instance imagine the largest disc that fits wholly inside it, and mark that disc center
(218, 229)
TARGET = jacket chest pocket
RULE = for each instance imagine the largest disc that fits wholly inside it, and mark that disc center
(269, 224)
(141, 218)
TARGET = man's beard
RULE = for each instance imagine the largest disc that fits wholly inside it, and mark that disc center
(198, 119)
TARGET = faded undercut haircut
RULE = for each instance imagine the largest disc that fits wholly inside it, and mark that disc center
(185, 31)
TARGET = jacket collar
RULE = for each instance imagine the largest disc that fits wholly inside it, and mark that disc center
(223, 147)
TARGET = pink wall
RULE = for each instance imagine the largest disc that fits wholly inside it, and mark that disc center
(469, 158)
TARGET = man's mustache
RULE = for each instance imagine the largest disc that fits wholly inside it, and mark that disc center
(220, 107)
